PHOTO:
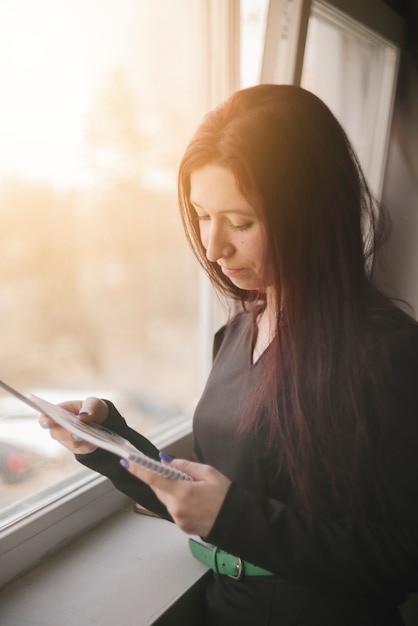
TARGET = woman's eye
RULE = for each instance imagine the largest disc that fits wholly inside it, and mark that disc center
(205, 217)
(202, 218)
(242, 227)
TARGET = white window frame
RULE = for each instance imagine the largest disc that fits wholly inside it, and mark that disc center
(286, 32)
(30, 540)
(287, 27)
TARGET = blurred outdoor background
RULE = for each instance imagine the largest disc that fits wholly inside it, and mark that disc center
(99, 292)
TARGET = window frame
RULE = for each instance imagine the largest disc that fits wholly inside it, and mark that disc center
(287, 27)
(284, 48)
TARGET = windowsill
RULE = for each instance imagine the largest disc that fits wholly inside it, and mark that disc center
(129, 569)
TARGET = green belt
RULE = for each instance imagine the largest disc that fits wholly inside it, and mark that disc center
(224, 563)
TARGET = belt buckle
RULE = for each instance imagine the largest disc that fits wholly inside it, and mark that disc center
(240, 573)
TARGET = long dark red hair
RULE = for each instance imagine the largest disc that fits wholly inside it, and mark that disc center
(293, 162)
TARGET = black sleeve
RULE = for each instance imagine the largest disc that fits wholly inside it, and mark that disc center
(108, 464)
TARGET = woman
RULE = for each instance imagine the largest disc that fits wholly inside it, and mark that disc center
(307, 430)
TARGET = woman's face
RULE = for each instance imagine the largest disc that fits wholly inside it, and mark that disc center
(230, 230)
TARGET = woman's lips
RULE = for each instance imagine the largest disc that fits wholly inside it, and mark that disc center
(230, 272)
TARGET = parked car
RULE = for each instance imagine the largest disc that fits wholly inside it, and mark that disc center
(14, 464)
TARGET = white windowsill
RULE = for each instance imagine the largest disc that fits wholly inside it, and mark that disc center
(128, 570)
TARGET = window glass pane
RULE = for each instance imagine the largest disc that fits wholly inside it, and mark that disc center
(353, 70)
(253, 26)
(98, 288)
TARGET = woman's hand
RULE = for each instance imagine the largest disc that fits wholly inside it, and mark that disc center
(89, 410)
(195, 505)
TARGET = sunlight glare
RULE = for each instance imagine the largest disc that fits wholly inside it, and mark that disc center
(51, 55)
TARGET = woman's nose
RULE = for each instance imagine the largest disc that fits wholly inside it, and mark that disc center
(217, 243)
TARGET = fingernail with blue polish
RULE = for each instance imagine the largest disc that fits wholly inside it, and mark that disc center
(124, 463)
(165, 457)
(46, 425)
(76, 437)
